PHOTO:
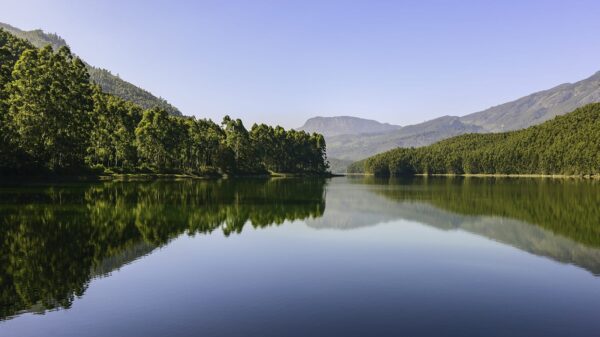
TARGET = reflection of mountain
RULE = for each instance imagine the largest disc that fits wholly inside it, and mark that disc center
(556, 219)
(53, 240)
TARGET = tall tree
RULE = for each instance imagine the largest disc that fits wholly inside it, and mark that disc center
(153, 140)
(11, 49)
(238, 140)
(49, 103)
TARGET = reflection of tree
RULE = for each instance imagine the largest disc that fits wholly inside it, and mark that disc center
(52, 240)
(565, 207)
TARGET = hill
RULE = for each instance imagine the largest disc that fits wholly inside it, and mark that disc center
(110, 83)
(352, 147)
(345, 125)
(521, 113)
(567, 144)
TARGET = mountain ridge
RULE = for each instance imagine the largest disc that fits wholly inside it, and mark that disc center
(340, 125)
(109, 82)
(529, 110)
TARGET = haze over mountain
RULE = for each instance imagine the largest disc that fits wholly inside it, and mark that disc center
(521, 113)
(354, 147)
(110, 83)
(345, 125)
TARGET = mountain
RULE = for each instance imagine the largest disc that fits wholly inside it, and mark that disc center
(568, 145)
(350, 147)
(342, 125)
(521, 113)
(538, 107)
(110, 83)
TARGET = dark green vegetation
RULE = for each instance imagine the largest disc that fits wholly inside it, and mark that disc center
(109, 83)
(55, 239)
(566, 145)
(52, 120)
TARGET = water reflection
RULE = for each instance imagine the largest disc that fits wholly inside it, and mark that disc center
(559, 219)
(53, 240)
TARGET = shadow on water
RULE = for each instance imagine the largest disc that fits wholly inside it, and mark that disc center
(55, 239)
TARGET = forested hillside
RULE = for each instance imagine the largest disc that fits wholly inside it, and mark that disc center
(109, 83)
(568, 144)
(53, 120)
(518, 114)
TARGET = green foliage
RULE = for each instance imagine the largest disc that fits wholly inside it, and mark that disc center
(289, 151)
(54, 120)
(49, 98)
(116, 86)
(568, 144)
(109, 83)
(11, 49)
(112, 140)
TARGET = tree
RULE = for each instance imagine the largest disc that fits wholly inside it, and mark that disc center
(49, 103)
(238, 140)
(112, 138)
(11, 49)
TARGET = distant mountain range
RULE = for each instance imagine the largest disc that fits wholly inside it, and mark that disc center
(521, 113)
(345, 125)
(110, 83)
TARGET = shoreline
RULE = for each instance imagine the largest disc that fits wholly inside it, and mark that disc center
(497, 175)
(482, 175)
(151, 177)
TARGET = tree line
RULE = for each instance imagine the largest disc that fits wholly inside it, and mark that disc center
(567, 145)
(53, 120)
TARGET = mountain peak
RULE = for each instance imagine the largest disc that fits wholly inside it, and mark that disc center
(342, 125)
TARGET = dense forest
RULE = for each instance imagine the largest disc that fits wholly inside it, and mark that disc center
(567, 145)
(109, 82)
(52, 120)
(114, 85)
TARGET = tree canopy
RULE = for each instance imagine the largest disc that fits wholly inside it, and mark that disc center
(54, 121)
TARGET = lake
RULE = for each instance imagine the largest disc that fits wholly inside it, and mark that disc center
(348, 256)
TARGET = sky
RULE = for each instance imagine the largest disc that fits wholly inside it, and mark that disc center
(281, 62)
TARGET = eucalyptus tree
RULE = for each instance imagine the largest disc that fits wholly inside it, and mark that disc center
(49, 103)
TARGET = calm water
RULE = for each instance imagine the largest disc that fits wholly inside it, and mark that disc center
(339, 257)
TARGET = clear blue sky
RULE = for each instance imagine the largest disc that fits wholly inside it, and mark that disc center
(281, 62)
